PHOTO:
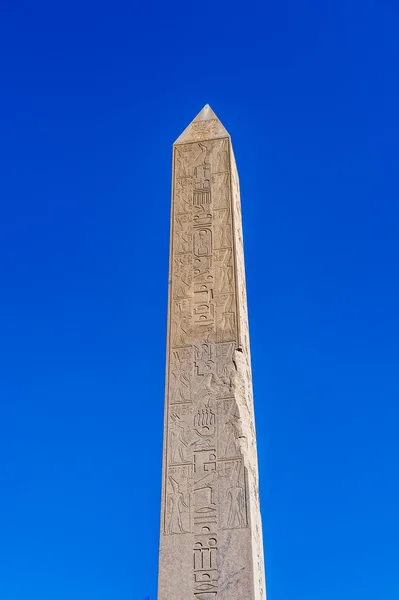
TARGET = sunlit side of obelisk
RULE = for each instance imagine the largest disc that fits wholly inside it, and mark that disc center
(211, 531)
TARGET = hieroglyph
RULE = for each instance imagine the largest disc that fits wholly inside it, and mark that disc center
(211, 541)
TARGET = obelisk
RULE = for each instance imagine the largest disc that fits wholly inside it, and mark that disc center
(211, 532)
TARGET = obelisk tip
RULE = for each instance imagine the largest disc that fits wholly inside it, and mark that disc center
(205, 126)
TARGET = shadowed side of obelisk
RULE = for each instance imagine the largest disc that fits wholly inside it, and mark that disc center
(210, 542)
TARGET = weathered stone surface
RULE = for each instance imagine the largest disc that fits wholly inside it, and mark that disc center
(211, 532)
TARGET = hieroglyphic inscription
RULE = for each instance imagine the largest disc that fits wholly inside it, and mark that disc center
(176, 520)
(201, 363)
(226, 317)
(210, 471)
(181, 368)
(181, 322)
(232, 494)
(205, 509)
(205, 568)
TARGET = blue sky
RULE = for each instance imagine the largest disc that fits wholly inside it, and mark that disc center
(93, 95)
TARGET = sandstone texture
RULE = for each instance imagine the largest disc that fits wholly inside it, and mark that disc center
(211, 532)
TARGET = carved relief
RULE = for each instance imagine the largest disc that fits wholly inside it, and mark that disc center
(202, 269)
(202, 242)
(231, 432)
(205, 422)
(221, 190)
(226, 322)
(181, 369)
(177, 509)
(202, 180)
(220, 156)
(233, 494)
(205, 515)
(204, 461)
(214, 371)
(226, 364)
(181, 322)
(180, 469)
(182, 276)
(211, 472)
(204, 359)
(202, 220)
(204, 129)
(224, 273)
(184, 195)
(203, 305)
(205, 568)
(180, 387)
(209, 385)
(236, 498)
(182, 162)
(202, 198)
(204, 503)
(222, 228)
(187, 157)
(178, 443)
(182, 234)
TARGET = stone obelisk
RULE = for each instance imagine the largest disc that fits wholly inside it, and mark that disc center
(211, 532)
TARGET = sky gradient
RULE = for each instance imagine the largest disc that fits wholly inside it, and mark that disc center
(92, 96)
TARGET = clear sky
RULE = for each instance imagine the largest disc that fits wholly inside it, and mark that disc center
(92, 96)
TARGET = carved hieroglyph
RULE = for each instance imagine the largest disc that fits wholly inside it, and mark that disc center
(211, 532)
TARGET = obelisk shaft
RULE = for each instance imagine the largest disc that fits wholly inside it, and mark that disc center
(211, 534)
